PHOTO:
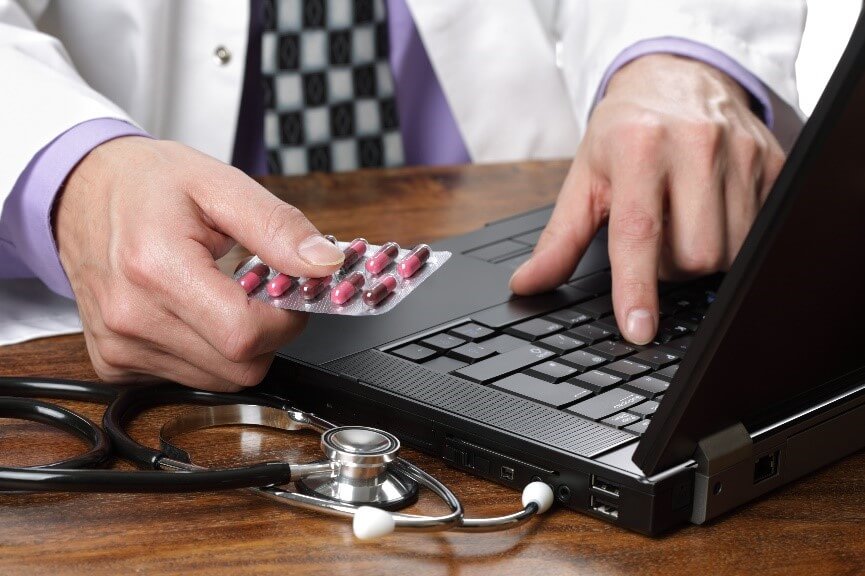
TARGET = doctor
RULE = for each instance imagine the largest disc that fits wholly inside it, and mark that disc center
(119, 119)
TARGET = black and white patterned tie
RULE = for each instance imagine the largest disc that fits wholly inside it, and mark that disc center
(328, 89)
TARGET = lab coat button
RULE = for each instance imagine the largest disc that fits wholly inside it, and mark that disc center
(223, 55)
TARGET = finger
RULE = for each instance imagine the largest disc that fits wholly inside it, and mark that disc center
(743, 188)
(565, 239)
(696, 227)
(276, 231)
(191, 287)
(635, 237)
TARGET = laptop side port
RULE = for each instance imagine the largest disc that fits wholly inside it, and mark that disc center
(604, 508)
(766, 466)
(604, 487)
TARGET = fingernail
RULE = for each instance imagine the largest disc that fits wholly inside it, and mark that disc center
(316, 250)
(640, 326)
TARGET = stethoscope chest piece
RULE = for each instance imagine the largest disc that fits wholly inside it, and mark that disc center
(362, 475)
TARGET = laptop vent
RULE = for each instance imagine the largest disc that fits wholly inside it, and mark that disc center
(557, 429)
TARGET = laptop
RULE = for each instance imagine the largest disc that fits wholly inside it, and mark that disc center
(755, 379)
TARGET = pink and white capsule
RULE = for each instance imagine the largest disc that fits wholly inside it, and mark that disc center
(413, 261)
(279, 285)
(383, 258)
(251, 280)
(345, 290)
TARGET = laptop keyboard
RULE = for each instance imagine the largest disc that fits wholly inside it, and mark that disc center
(572, 357)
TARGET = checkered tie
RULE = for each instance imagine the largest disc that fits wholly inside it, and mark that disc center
(328, 89)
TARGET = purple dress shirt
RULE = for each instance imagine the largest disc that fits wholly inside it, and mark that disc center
(429, 132)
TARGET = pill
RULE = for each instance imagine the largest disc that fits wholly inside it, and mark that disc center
(253, 278)
(353, 252)
(413, 261)
(279, 285)
(344, 291)
(382, 259)
(313, 287)
(380, 290)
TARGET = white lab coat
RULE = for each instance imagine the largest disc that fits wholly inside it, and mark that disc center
(153, 63)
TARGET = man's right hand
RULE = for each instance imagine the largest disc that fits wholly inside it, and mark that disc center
(139, 226)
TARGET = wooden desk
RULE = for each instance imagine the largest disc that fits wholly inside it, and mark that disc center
(812, 527)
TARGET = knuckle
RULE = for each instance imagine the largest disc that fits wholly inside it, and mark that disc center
(240, 344)
(121, 317)
(113, 360)
(702, 260)
(252, 373)
(138, 264)
(282, 221)
(636, 225)
(644, 135)
(707, 138)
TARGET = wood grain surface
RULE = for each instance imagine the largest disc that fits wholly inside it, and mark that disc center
(814, 526)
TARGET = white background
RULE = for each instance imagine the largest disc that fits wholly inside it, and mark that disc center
(826, 34)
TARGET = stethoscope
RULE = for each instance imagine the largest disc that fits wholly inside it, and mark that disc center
(361, 475)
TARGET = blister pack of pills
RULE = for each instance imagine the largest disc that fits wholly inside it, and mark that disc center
(373, 280)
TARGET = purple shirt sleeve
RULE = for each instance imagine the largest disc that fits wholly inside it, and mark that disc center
(27, 246)
(697, 51)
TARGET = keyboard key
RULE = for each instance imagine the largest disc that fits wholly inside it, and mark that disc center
(534, 329)
(638, 427)
(552, 371)
(504, 343)
(597, 308)
(656, 358)
(514, 262)
(569, 317)
(620, 420)
(443, 342)
(626, 369)
(690, 318)
(611, 350)
(590, 334)
(596, 381)
(648, 386)
(645, 410)
(526, 307)
(471, 352)
(669, 329)
(680, 345)
(561, 343)
(414, 352)
(606, 404)
(667, 373)
(444, 364)
(558, 395)
(504, 364)
(608, 323)
(582, 360)
(471, 332)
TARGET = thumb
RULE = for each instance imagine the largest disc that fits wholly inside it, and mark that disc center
(276, 231)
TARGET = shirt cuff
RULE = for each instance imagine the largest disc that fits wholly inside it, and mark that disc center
(25, 222)
(697, 51)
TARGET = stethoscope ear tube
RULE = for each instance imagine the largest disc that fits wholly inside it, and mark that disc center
(143, 481)
(65, 420)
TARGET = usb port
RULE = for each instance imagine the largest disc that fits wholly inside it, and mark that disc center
(604, 487)
(766, 466)
(507, 473)
(602, 507)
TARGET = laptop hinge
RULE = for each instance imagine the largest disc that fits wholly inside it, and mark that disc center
(719, 456)
(723, 449)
